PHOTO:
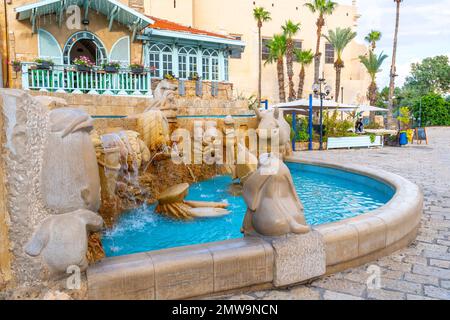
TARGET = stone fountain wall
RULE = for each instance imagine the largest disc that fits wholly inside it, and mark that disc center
(5, 257)
(24, 135)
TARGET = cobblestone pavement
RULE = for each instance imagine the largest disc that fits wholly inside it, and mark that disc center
(421, 271)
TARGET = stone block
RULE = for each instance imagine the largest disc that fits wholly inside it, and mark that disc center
(240, 263)
(183, 272)
(129, 277)
(297, 258)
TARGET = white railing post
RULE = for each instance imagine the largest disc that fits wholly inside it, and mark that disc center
(25, 75)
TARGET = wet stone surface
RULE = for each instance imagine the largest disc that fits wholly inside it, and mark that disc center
(420, 271)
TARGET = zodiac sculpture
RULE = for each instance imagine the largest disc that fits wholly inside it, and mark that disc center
(274, 208)
(62, 240)
(70, 178)
(164, 95)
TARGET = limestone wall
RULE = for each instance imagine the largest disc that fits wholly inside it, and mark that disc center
(24, 132)
(5, 263)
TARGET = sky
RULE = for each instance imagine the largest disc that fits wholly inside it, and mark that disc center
(424, 31)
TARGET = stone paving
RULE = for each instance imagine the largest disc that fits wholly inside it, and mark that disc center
(421, 271)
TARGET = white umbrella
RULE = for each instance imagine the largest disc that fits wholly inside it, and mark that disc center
(363, 108)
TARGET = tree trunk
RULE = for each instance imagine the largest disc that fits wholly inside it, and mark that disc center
(301, 83)
(290, 69)
(320, 23)
(338, 68)
(280, 71)
(391, 123)
(372, 96)
(258, 98)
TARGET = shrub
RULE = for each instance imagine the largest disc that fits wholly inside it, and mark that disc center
(83, 61)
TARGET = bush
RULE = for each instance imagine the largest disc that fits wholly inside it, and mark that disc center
(336, 128)
(302, 129)
(435, 110)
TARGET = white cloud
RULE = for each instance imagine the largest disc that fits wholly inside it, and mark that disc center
(424, 31)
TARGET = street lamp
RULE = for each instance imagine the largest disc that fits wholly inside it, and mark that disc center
(317, 89)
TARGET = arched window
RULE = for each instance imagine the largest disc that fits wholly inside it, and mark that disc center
(85, 43)
(120, 51)
(210, 61)
(160, 60)
(187, 62)
(49, 47)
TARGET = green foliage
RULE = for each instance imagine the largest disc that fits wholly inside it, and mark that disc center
(304, 57)
(373, 37)
(372, 137)
(302, 128)
(373, 63)
(340, 38)
(404, 116)
(41, 60)
(333, 127)
(431, 75)
(277, 48)
(290, 29)
(435, 110)
(324, 7)
(261, 15)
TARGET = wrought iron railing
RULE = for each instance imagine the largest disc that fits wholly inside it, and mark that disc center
(68, 79)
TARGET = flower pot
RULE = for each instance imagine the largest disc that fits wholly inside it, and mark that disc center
(45, 65)
(82, 68)
(110, 69)
(17, 68)
(403, 138)
(137, 70)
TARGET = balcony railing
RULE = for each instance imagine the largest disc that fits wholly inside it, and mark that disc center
(67, 79)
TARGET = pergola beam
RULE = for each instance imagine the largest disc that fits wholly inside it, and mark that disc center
(112, 15)
(33, 21)
(86, 8)
(135, 26)
(61, 11)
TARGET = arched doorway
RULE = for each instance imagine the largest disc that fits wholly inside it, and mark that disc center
(87, 44)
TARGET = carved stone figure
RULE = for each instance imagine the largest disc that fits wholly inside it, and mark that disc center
(164, 95)
(62, 240)
(272, 125)
(171, 203)
(246, 163)
(274, 208)
(153, 127)
(69, 178)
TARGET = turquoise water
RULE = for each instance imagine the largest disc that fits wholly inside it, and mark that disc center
(216, 116)
(327, 194)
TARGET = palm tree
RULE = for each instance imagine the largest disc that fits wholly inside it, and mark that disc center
(277, 50)
(373, 63)
(261, 15)
(304, 57)
(391, 124)
(372, 38)
(323, 7)
(289, 30)
(339, 39)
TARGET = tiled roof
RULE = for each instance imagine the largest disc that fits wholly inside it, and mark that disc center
(162, 24)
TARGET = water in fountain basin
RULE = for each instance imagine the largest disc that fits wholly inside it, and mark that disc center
(327, 194)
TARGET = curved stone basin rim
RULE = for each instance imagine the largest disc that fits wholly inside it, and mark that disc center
(212, 268)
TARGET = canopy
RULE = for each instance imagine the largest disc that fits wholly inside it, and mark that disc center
(303, 104)
(113, 9)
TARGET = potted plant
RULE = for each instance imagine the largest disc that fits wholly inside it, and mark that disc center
(16, 65)
(169, 76)
(404, 119)
(136, 68)
(83, 64)
(111, 67)
(43, 64)
(194, 76)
